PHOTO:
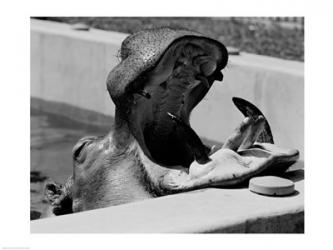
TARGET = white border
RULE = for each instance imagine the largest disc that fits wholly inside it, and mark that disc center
(15, 128)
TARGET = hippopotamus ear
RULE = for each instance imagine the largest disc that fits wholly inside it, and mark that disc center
(78, 151)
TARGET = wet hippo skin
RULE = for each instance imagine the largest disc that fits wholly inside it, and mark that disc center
(152, 150)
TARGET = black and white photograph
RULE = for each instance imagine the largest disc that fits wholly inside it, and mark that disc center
(167, 124)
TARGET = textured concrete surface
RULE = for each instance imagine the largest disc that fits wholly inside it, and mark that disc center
(71, 66)
(210, 210)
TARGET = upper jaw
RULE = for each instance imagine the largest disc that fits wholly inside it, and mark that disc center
(181, 75)
(143, 51)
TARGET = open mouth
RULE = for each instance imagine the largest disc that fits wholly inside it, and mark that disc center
(166, 94)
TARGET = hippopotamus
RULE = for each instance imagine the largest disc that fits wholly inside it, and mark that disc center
(152, 150)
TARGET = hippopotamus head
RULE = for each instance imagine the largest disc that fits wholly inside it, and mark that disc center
(152, 150)
(163, 74)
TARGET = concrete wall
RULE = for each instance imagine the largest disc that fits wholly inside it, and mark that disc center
(70, 66)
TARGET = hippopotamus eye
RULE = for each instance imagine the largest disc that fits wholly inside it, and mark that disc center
(78, 149)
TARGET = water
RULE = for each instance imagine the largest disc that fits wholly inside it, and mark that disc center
(52, 138)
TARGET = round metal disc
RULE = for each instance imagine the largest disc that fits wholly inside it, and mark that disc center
(271, 185)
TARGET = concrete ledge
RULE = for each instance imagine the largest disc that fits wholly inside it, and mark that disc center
(204, 211)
